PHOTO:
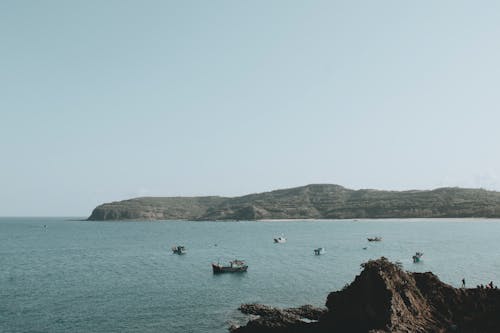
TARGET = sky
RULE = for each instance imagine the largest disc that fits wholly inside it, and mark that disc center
(107, 100)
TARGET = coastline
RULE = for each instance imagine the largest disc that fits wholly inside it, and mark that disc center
(391, 219)
(384, 298)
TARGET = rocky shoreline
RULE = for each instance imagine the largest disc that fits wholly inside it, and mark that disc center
(385, 298)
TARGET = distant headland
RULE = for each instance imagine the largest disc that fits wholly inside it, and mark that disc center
(317, 201)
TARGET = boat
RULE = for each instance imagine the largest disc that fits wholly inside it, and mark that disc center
(319, 250)
(234, 266)
(280, 239)
(179, 249)
(417, 257)
(374, 239)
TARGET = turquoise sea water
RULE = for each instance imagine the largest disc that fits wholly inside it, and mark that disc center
(77, 276)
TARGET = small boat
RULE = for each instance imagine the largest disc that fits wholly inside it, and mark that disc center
(233, 267)
(374, 239)
(319, 251)
(417, 257)
(179, 249)
(280, 239)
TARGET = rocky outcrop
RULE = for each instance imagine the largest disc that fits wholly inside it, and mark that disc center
(309, 202)
(279, 320)
(384, 298)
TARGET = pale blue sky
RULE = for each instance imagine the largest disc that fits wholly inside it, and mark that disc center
(107, 100)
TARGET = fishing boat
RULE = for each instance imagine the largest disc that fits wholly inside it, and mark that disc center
(179, 249)
(234, 266)
(417, 257)
(374, 239)
(280, 239)
(319, 251)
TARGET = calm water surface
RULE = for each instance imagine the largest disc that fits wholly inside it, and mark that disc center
(121, 276)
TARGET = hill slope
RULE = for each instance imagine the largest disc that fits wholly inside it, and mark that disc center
(322, 201)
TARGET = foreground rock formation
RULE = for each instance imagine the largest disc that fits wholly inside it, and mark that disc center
(309, 202)
(384, 298)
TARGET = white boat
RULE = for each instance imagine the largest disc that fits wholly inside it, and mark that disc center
(280, 239)
(319, 251)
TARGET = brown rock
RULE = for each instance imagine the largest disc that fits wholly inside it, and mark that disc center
(385, 298)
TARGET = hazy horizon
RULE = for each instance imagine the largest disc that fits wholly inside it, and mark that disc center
(107, 101)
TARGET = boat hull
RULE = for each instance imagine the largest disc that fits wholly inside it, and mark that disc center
(417, 257)
(228, 269)
(319, 251)
(178, 249)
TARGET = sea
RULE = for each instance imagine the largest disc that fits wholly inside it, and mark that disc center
(65, 275)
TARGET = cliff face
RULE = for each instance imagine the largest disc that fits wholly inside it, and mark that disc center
(175, 208)
(384, 298)
(311, 201)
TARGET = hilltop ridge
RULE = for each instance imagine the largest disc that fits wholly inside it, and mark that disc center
(314, 201)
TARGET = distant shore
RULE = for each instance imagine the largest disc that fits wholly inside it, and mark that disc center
(308, 203)
(392, 219)
(373, 220)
